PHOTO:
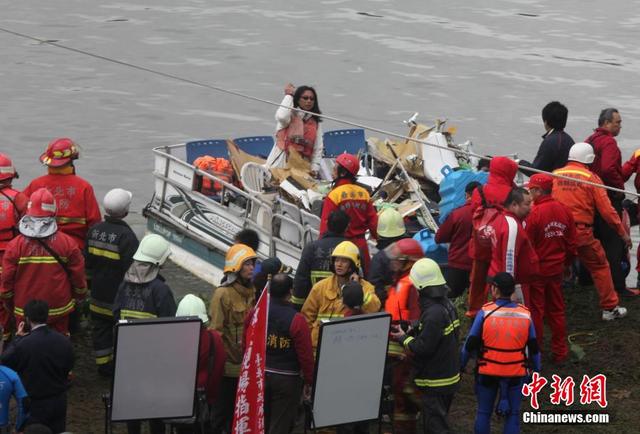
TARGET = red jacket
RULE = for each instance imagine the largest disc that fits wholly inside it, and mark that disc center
(355, 201)
(76, 202)
(512, 251)
(30, 272)
(210, 383)
(12, 204)
(631, 167)
(552, 232)
(608, 162)
(502, 170)
(457, 230)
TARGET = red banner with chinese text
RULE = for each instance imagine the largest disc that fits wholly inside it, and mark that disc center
(248, 416)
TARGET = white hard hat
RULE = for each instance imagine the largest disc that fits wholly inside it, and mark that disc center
(116, 202)
(154, 249)
(192, 305)
(582, 153)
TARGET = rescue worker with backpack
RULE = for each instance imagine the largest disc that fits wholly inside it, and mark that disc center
(108, 255)
(143, 294)
(43, 263)
(403, 305)
(229, 306)
(434, 344)
(12, 206)
(486, 202)
(77, 205)
(503, 339)
(391, 228)
(325, 299)
(355, 201)
(315, 261)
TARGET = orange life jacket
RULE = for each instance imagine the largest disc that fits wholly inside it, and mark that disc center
(504, 339)
(402, 304)
(219, 167)
(299, 135)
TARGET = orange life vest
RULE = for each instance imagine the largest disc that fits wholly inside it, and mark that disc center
(504, 340)
(299, 135)
(219, 167)
(402, 304)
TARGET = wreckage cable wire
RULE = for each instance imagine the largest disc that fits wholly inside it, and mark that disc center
(276, 104)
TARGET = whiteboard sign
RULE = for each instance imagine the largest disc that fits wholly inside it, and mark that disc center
(156, 363)
(349, 369)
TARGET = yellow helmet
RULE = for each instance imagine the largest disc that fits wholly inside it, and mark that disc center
(426, 272)
(347, 249)
(237, 255)
(390, 224)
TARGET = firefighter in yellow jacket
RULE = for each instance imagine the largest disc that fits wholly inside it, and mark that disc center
(230, 303)
(325, 299)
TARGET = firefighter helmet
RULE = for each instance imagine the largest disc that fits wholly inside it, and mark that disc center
(582, 153)
(390, 224)
(348, 250)
(192, 305)
(154, 249)
(59, 153)
(7, 171)
(349, 162)
(406, 249)
(425, 273)
(41, 204)
(237, 255)
(116, 202)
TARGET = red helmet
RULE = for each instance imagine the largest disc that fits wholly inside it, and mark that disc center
(41, 204)
(7, 171)
(406, 249)
(349, 162)
(59, 153)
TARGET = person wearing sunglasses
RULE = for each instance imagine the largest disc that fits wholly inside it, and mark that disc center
(296, 129)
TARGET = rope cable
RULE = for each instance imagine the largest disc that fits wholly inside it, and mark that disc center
(276, 104)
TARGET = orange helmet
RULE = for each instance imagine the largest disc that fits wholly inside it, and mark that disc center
(349, 162)
(41, 204)
(7, 171)
(59, 153)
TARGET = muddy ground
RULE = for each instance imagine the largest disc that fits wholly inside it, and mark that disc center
(615, 352)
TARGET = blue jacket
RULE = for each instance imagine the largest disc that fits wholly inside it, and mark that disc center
(10, 384)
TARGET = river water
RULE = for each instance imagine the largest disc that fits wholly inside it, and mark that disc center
(488, 66)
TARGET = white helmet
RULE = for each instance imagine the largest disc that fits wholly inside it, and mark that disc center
(154, 249)
(582, 153)
(192, 305)
(116, 202)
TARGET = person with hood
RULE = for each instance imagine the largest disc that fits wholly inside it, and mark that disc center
(403, 305)
(457, 230)
(315, 261)
(325, 299)
(503, 339)
(143, 294)
(211, 359)
(502, 170)
(108, 255)
(434, 344)
(583, 200)
(12, 207)
(353, 199)
(78, 208)
(297, 130)
(391, 228)
(43, 263)
(552, 232)
(229, 306)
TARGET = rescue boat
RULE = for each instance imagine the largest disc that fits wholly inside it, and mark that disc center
(284, 208)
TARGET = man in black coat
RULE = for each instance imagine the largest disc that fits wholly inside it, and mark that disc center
(43, 358)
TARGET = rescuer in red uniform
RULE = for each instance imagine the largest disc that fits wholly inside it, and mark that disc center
(77, 205)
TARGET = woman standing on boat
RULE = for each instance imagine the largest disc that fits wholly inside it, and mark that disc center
(297, 130)
(355, 201)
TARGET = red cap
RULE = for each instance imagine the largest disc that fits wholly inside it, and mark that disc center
(41, 204)
(7, 171)
(59, 152)
(542, 181)
(349, 162)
